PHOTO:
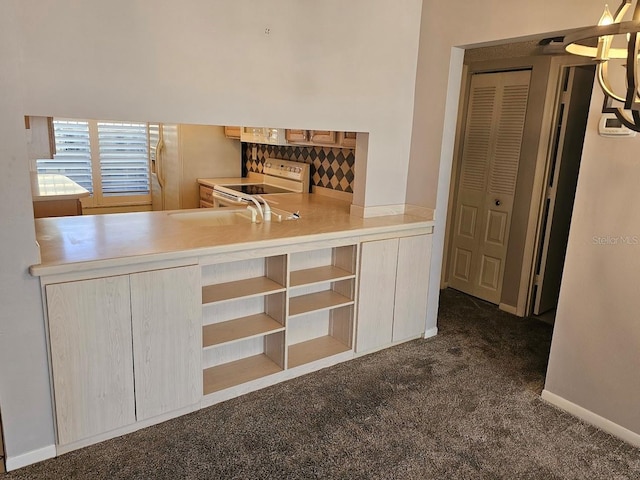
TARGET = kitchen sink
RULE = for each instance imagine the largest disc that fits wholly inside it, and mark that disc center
(213, 217)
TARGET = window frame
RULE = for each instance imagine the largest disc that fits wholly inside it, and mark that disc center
(97, 199)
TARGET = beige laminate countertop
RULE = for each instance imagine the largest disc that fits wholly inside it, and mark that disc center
(46, 186)
(96, 241)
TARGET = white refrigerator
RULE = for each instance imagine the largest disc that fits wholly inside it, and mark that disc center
(182, 153)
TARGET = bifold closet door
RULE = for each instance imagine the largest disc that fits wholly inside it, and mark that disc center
(494, 128)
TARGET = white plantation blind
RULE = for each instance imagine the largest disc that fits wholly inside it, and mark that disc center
(110, 159)
(124, 158)
(73, 153)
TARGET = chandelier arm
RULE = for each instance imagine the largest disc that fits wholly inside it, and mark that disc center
(603, 80)
(626, 121)
(632, 74)
(636, 13)
(622, 9)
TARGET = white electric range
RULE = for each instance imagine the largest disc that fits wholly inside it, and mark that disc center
(278, 176)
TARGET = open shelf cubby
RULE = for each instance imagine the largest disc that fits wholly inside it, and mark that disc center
(239, 328)
(321, 266)
(243, 279)
(321, 300)
(320, 317)
(249, 359)
(243, 313)
(319, 335)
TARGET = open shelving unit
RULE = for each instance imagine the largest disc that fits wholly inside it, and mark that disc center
(243, 333)
(321, 304)
(267, 314)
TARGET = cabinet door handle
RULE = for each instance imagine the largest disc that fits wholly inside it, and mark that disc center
(498, 203)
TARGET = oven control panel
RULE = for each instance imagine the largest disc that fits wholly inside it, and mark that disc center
(286, 169)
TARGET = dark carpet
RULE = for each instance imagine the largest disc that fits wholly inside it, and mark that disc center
(462, 405)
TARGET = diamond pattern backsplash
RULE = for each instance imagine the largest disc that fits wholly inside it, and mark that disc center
(330, 167)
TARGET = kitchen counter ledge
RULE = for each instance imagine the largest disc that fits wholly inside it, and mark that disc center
(75, 244)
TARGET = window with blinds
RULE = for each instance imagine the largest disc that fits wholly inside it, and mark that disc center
(124, 158)
(110, 159)
(73, 153)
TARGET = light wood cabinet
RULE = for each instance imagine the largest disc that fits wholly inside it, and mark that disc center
(123, 349)
(297, 136)
(232, 132)
(378, 262)
(311, 137)
(91, 356)
(347, 139)
(206, 196)
(325, 137)
(392, 305)
(412, 285)
(167, 329)
(321, 138)
(144, 346)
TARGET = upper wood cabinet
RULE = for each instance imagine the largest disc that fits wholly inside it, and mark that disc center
(297, 136)
(347, 139)
(321, 137)
(315, 137)
(232, 132)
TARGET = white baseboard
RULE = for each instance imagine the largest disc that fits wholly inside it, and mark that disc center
(34, 456)
(432, 332)
(508, 308)
(594, 419)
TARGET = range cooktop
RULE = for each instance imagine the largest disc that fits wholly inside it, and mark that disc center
(257, 189)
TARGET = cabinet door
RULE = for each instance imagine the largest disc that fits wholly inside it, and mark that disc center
(347, 139)
(232, 132)
(412, 285)
(294, 136)
(326, 137)
(167, 339)
(378, 262)
(91, 357)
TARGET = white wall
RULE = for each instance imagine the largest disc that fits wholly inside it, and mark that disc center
(595, 354)
(331, 64)
(599, 299)
(24, 385)
(442, 31)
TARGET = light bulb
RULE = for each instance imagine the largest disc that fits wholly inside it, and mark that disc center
(606, 18)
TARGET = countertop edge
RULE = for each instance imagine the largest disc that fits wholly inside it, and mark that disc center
(41, 270)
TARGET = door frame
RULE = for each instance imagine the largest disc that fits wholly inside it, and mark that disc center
(545, 73)
(555, 81)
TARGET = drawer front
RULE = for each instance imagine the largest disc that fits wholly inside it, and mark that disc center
(206, 194)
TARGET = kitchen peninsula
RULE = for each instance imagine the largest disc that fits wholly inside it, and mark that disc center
(56, 195)
(152, 315)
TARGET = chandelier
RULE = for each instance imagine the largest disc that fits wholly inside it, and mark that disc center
(597, 42)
